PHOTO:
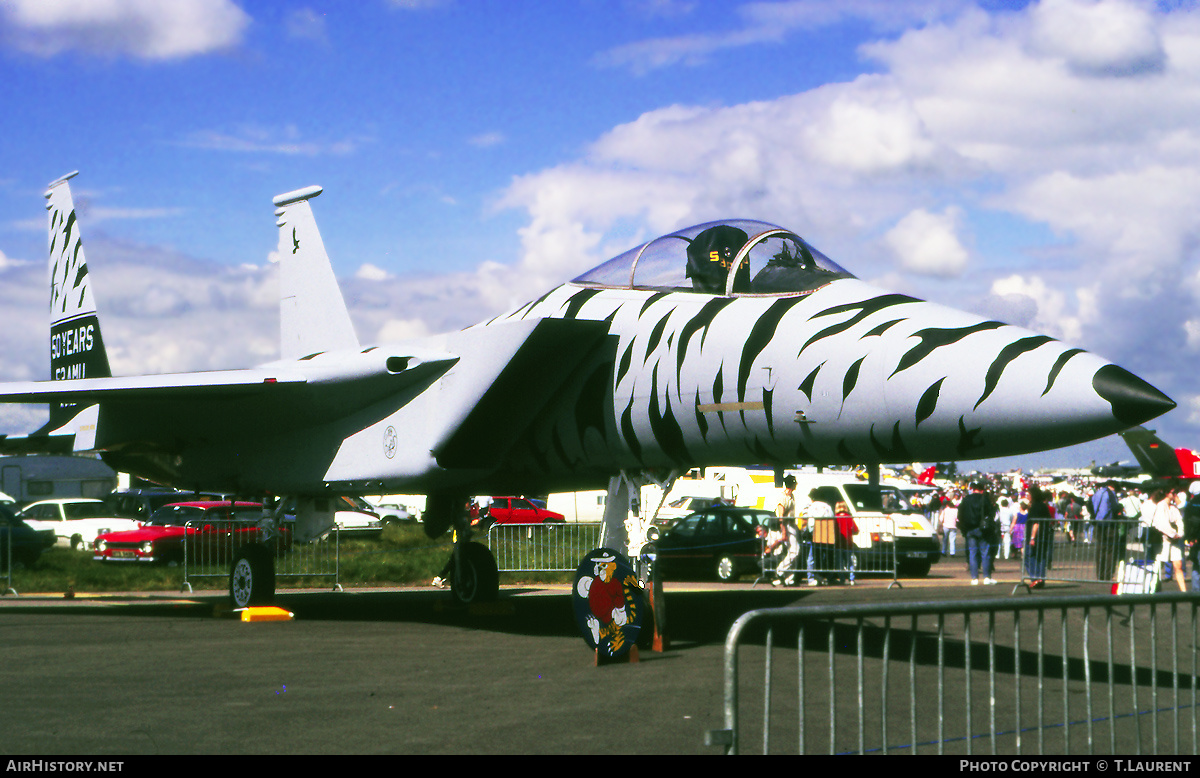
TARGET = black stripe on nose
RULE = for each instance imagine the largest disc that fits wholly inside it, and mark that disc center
(1133, 400)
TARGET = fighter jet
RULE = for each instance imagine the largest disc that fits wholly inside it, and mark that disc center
(1160, 460)
(727, 343)
(1116, 470)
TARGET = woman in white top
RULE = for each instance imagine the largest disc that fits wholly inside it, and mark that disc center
(1169, 521)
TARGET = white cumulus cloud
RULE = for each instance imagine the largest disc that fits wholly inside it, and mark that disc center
(143, 29)
(1109, 37)
(927, 243)
(1050, 306)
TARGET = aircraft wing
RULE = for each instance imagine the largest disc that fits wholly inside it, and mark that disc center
(168, 385)
(37, 443)
(120, 411)
(75, 407)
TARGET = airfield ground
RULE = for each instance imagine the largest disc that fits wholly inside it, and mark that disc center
(382, 671)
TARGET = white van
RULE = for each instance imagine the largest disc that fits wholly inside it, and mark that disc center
(885, 521)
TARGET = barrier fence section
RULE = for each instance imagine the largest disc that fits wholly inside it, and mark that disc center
(542, 548)
(820, 560)
(1058, 675)
(1087, 551)
(209, 548)
(6, 559)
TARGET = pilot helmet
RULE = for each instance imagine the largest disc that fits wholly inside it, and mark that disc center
(711, 253)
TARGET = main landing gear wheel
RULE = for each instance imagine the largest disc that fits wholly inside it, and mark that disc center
(474, 577)
(252, 577)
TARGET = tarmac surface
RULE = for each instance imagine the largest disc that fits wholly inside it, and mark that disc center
(385, 671)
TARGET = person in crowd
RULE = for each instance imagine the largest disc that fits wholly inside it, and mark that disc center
(948, 521)
(1109, 531)
(1131, 508)
(1073, 519)
(1151, 538)
(976, 521)
(1006, 514)
(1168, 520)
(773, 544)
(1019, 527)
(817, 510)
(933, 508)
(1039, 538)
(1191, 532)
(843, 542)
(785, 574)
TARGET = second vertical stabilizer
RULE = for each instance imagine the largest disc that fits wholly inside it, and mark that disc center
(312, 313)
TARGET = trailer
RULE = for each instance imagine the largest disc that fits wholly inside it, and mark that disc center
(37, 477)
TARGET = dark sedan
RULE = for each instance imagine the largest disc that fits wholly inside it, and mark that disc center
(720, 541)
(27, 544)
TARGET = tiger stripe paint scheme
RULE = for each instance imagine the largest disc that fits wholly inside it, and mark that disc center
(846, 374)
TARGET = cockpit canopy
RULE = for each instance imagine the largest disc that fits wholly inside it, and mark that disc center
(736, 257)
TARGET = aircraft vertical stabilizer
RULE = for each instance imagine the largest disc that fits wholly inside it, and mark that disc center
(312, 313)
(76, 347)
(1158, 458)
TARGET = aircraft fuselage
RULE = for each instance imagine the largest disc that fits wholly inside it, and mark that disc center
(846, 374)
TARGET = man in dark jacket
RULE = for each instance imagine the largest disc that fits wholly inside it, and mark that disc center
(1110, 531)
(977, 523)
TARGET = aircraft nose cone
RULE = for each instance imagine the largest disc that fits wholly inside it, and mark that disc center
(1133, 400)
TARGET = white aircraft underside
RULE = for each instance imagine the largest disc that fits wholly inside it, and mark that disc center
(755, 350)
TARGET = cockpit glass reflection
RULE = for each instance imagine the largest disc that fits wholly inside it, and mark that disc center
(733, 257)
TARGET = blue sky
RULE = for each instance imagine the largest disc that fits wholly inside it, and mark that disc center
(1035, 162)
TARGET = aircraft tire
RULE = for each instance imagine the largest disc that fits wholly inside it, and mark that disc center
(251, 577)
(478, 580)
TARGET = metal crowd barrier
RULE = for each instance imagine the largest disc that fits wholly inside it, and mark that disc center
(542, 547)
(1086, 551)
(209, 548)
(1061, 675)
(6, 537)
(819, 560)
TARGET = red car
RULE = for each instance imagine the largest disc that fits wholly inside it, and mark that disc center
(518, 510)
(161, 539)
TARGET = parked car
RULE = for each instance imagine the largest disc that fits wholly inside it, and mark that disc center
(684, 506)
(353, 516)
(75, 521)
(141, 503)
(27, 542)
(721, 541)
(161, 540)
(520, 510)
(394, 511)
(357, 517)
